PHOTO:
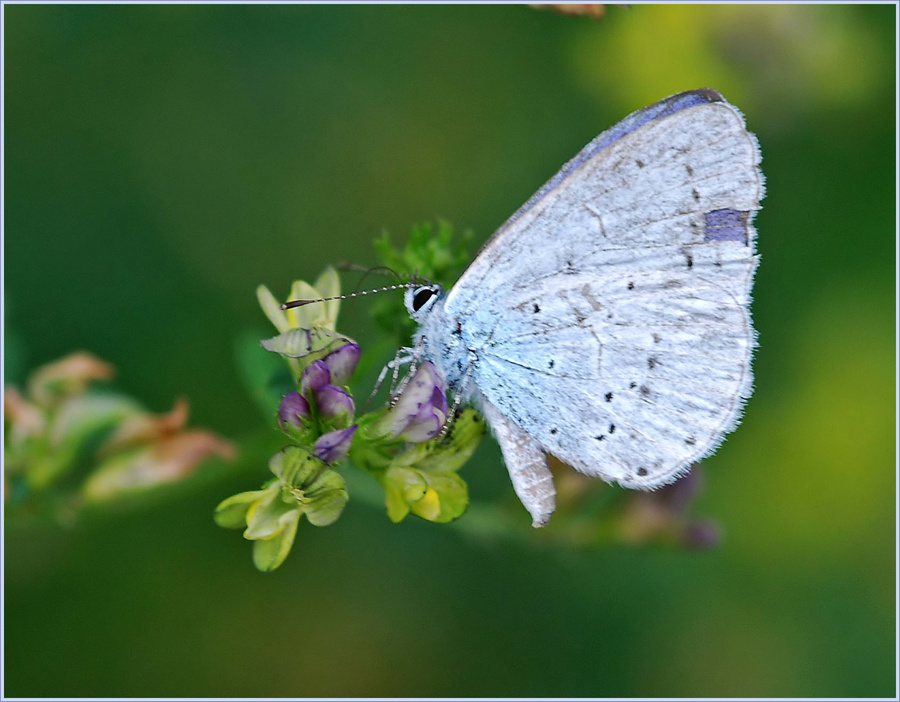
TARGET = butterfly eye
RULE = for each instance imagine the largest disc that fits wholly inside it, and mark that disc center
(422, 296)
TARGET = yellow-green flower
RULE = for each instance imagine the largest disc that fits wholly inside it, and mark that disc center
(319, 315)
(303, 485)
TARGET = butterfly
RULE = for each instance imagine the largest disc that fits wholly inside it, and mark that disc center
(607, 321)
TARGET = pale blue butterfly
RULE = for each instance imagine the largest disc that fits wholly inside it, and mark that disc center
(607, 321)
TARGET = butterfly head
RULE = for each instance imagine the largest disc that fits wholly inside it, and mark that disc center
(421, 299)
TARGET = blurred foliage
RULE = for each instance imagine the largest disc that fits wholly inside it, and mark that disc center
(161, 161)
(70, 445)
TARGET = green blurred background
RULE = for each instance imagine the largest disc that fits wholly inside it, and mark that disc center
(161, 162)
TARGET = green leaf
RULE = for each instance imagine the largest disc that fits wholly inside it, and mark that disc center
(269, 554)
(231, 512)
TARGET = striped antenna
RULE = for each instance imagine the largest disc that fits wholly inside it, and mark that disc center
(301, 303)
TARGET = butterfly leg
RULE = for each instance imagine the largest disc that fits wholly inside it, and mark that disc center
(526, 463)
(457, 399)
(407, 357)
(413, 360)
(403, 355)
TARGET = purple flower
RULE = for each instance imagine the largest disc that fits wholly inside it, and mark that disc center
(315, 376)
(333, 446)
(420, 411)
(342, 363)
(293, 411)
(335, 405)
(429, 419)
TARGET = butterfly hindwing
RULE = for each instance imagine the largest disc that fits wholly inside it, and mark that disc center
(615, 395)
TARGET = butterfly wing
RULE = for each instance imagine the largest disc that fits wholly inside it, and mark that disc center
(623, 287)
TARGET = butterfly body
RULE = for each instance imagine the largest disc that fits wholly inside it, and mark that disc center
(607, 322)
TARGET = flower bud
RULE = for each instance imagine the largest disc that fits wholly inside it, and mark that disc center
(293, 412)
(333, 447)
(428, 420)
(335, 406)
(315, 376)
(342, 363)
